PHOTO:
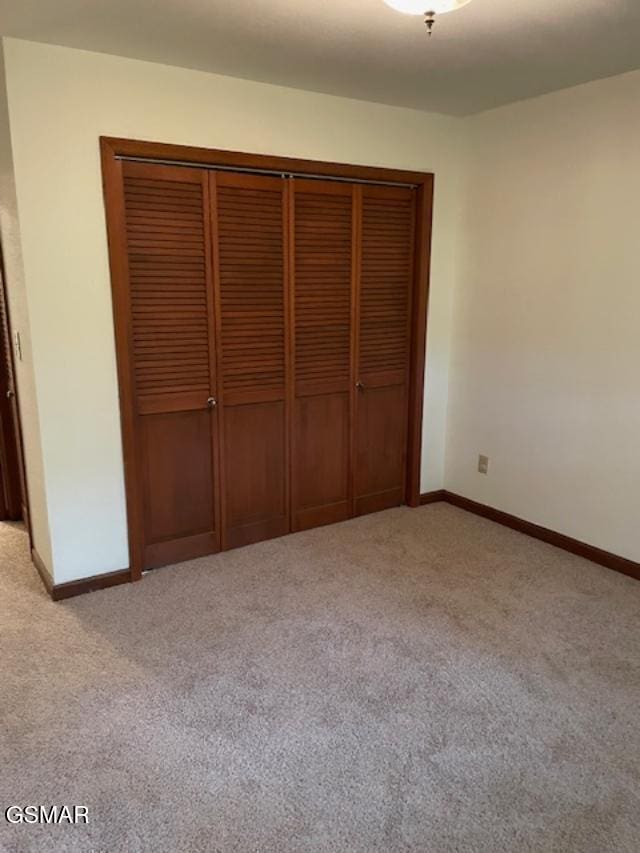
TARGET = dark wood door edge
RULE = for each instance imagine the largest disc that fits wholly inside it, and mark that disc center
(551, 537)
(12, 469)
(60, 591)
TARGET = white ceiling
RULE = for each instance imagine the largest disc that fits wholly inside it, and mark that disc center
(489, 53)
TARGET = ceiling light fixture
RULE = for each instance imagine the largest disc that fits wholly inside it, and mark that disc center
(436, 7)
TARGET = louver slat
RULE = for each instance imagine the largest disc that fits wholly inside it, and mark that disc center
(251, 265)
(168, 287)
(385, 289)
(323, 230)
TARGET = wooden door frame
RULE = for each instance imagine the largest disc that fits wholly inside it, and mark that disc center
(113, 148)
(14, 485)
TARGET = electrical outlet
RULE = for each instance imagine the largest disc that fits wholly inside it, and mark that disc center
(483, 464)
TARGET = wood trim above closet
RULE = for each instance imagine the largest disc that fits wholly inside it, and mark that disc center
(113, 146)
(326, 390)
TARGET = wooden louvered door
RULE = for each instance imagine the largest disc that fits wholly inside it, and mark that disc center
(172, 360)
(323, 276)
(250, 251)
(270, 340)
(386, 249)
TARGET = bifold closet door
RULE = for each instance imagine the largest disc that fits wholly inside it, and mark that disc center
(323, 305)
(172, 361)
(249, 215)
(386, 249)
(267, 326)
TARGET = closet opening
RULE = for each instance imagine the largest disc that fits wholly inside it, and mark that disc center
(270, 321)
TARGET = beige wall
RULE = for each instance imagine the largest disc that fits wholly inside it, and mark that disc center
(545, 373)
(19, 316)
(60, 101)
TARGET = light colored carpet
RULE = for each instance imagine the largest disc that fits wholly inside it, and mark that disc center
(415, 680)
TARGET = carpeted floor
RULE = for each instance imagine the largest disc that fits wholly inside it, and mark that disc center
(415, 680)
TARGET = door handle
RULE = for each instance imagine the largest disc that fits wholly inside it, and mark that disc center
(360, 385)
(212, 402)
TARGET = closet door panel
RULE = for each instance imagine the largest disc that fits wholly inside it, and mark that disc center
(250, 250)
(323, 307)
(255, 458)
(179, 495)
(386, 271)
(172, 359)
(322, 453)
(380, 441)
